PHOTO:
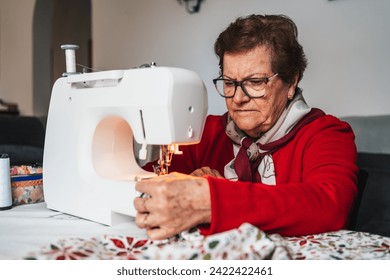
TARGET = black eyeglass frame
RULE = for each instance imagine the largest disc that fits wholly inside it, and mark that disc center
(265, 80)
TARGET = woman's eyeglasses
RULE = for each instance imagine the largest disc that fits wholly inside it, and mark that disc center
(252, 87)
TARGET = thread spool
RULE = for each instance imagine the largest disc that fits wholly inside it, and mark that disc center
(70, 58)
(5, 183)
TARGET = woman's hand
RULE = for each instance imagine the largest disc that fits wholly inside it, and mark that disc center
(200, 172)
(172, 203)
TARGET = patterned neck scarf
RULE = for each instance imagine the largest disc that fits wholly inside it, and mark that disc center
(253, 157)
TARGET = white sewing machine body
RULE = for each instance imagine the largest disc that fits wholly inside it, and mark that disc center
(89, 163)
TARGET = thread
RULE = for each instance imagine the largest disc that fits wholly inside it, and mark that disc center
(70, 58)
(5, 183)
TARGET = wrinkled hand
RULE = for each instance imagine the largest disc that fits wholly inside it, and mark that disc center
(206, 171)
(172, 203)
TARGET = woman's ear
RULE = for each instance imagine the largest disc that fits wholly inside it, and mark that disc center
(293, 86)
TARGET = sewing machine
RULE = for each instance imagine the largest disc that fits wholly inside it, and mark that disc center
(90, 167)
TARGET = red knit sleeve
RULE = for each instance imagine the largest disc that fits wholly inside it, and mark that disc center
(316, 177)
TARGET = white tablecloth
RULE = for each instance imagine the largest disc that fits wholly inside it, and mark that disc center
(26, 228)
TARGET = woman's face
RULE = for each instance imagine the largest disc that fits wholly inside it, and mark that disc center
(255, 116)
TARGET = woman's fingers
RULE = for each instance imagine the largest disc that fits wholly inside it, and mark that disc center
(141, 220)
(206, 171)
(140, 204)
(158, 233)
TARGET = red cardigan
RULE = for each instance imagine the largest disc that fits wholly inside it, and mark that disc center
(316, 178)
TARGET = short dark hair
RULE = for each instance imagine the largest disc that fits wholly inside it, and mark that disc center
(278, 32)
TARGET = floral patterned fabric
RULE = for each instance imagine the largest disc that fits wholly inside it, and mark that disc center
(32, 192)
(246, 242)
(25, 170)
(344, 244)
(25, 187)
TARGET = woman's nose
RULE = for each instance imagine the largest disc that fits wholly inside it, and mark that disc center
(240, 96)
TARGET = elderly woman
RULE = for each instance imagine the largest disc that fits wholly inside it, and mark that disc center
(271, 160)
